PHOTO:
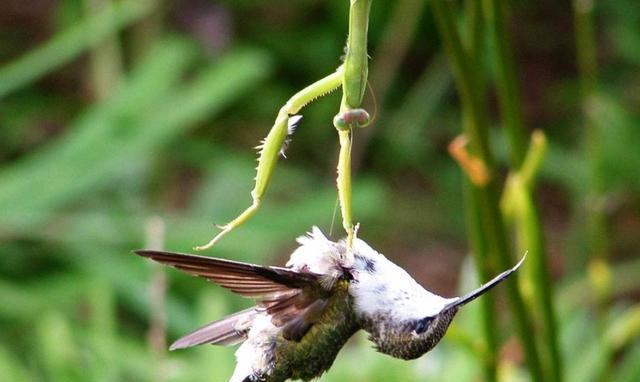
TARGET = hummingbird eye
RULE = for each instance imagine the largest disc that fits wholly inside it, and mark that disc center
(422, 325)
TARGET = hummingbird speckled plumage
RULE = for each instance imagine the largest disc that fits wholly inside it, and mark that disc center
(305, 312)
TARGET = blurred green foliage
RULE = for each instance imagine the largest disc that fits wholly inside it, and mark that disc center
(197, 84)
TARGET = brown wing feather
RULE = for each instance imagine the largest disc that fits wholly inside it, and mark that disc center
(246, 279)
(297, 312)
(221, 332)
(300, 324)
(295, 300)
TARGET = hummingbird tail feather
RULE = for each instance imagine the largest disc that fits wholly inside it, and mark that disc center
(227, 331)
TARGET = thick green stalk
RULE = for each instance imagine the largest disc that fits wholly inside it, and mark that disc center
(146, 33)
(530, 238)
(529, 232)
(487, 304)
(466, 82)
(588, 75)
(106, 56)
(354, 83)
(518, 203)
(157, 332)
(474, 31)
(597, 225)
(500, 252)
(477, 133)
(585, 46)
(506, 81)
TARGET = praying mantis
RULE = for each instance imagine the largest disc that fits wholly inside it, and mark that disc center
(351, 76)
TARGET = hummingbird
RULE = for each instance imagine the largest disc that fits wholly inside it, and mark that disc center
(306, 311)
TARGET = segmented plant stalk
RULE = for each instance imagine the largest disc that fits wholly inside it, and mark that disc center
(157, 332)
(106, 57)
(527, 223)
(506, 81)
(476, 131)
(146, 33)
(474, 31)
(487, 305)
(597, 226)
(588, 73)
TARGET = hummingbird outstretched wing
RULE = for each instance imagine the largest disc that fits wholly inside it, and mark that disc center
(246, 279)
(230, 330)
(293, 299)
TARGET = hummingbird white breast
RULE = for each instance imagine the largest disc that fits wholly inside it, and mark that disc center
(255, 355)
(380, 287)
(383, 289)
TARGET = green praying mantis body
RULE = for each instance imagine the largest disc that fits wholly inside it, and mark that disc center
(352, 77)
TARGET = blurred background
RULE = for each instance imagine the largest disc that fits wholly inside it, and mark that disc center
(131, 123)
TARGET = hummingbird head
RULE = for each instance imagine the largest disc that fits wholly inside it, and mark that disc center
(410, 339)
(408, 324)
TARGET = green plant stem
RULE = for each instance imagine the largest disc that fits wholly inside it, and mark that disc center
(474, 31)
(530, 239)
(588, 76)
(477, 134)
(487, 305)
(157, 332)
(106, 56)
(506, 81)
(146, 33)
(528, 229)
(597, 226)
(466, 82)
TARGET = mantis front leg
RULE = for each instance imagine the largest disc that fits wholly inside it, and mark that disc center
(270, 148)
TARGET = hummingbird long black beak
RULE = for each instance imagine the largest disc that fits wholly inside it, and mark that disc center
(485, 288)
